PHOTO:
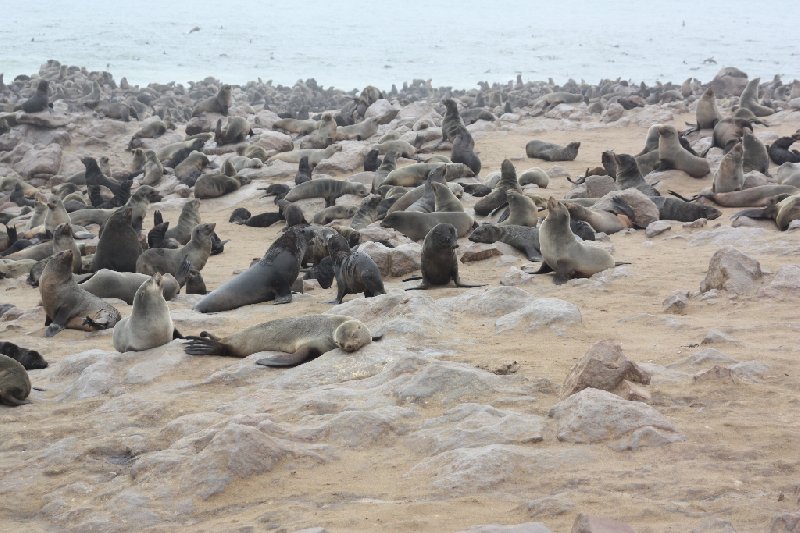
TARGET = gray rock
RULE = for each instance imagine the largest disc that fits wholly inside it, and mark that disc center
(527, 527)
(548, 506)
(603, 367)
(598, 524)
(716, 337)
(732, 271)
(709, 356)
(490, 302)
(406, 258)
(784, 284)
(656, 228)
(410, 312)
(40, 162)
(540, 313)
(380, 254)
(676, 303)
(714, 525)
(274, 140)
(593, 415)
(785, 523)
(599, 186)
(515, 276)
(613, 112)
(383, 110)
(472, 425)
(347, 160)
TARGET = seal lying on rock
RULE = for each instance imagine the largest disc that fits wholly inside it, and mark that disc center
(552, 152)
(15, 386)
(123, 285)
(523, 238)
(562, 253)
(355, 272)
(416, 226)
(301, 338)
(439, 260)
(66, 305)
(150, 324)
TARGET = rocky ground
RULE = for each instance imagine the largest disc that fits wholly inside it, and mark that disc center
(473, 408)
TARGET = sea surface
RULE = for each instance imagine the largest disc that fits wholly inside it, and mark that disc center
(349, 44)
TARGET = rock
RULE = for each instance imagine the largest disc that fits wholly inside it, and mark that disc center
(645, 212)
(275, 140)
(694, 224)
(540, 313)
(729, 81)
(40, 120)
(632, 392)
(596, 524)
(602, 367)
(548, 506)
(489, 302)
(383, 110)
(527, 527)
(784, 284)
(613, 112)
(374, 232)
(380, 254)
(593, 415)
(732, 271)
(578, 191)
(676, 303)
(785, 523)
(40, 162)
(516, 276)
(599, 186)
(350, 158)
(312, 530)
(656, 228)
(749, 370)
(557, 171)
(715, 337)
(479, 252)
(411, 313)
(202, 124)
(754, 178)
(717, 373)
(406, 258)
(14, 268)
(704, 357)
(714, 525)
(470, 425)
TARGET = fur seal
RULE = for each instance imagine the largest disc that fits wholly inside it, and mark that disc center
(314, 155)
(751, 197)
(119, 247)
(416, 226)
(241, 215)
(729, 131)
(301, 339)
(522, 210)
(535, 176)
(729, 176)
(173, 154)
(755, 154)
(397, 146)
(367, 212)
(782, 208)
(29, 359)
(153, 170)
(56, 214)
(706, 113)
(66, 305)
(293, 125)
(169, 260)
(552, 152)
(749, 99)
(410, 175)
(452, 124)
(323, 135)
(216, 185)
(150, 324)
(355, 272)
(788, 173)
(15, 386)
(523, 238)
(123, 285)
(562, 253)
(37, 102)
(271, 278)
(444, 199)
(327, 188)
(191, 168)
(218, 103)
(195, 283)
(674, 156)
(628, 175)
(372, 161)
(676, 209)
(236, 130)
(497, 198)
(780, 151)
(359, 132)
(187, 220)
(94, 176)
(463, 152)
(439, 260)
(303, 171)
(600, 220)
(335, 212)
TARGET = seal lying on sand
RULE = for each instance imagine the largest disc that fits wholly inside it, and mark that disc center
(417, 225)
(66, 305)
(562, 253)
(301, 338)
(782, 208)
(30, 359)
(439, 259)
(150, 324)
(552, 152)
(327, 188)
(15, 386)
(523, 238)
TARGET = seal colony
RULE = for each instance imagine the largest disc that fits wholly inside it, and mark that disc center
(365, 190)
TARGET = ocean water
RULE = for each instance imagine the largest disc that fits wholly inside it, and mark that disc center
(349, 44)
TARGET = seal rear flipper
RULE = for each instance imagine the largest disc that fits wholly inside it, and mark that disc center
(7, 399)
(183, 272)
(564, 272)
(532, 253)
(206, 344)
(664, 164)
(413, 278)
(752, 213)
(544, 268)
(53, 329)
(685, 199)
(289, 359)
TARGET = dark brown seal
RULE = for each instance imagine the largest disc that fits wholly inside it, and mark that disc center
(439, 260)
(355, 272)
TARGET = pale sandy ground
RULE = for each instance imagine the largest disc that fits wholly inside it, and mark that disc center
(742, 447)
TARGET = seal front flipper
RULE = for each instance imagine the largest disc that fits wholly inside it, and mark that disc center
(53, 329)
(564, 272)
(8, 399)
(289, 359)
(206, 344)
(413, 278)
(176, 334)
(544, 268)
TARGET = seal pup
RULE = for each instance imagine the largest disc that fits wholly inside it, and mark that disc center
(535, 176)
(452, 124)
(359, 132)
(215, 185)
(218, 103)
(730, 176)
(552, 152)
(15, 386)
(195, 283)
(236, 130)
(755, 155)
(301, 339)
(314, 155)
(153, 170)
(66, 305)
(29, 359)
(187, 220)
(523, 238)
(677, 209)
(119, 247)
(37, 102)
(749, 99)
(674, 156)
(327, 188)
(169, 260)
(628, 175)
(463, 152)
(241, 215)
(706, 113)
(355, 272)
(336, 212)
(444, 199)
(600, 220)
(107, 283)
(150, 324)
(439, 260)
(94, 176)
(782, 208)
(367, 212)
(56, 214)
(271, 278)
(780, 152)
(64, 239)
(372, 161)
(191, 168)
(416, 226)
(303, 171)
(562, 253)
(497, 198)
(522, 210)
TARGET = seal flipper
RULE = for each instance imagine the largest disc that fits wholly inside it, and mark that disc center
(183, 272)
(53, 329)
(413, 278)
(564, 272)
(302, 355)
(752, 213)
(206, 344)
(7, 399)
(176, 334)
